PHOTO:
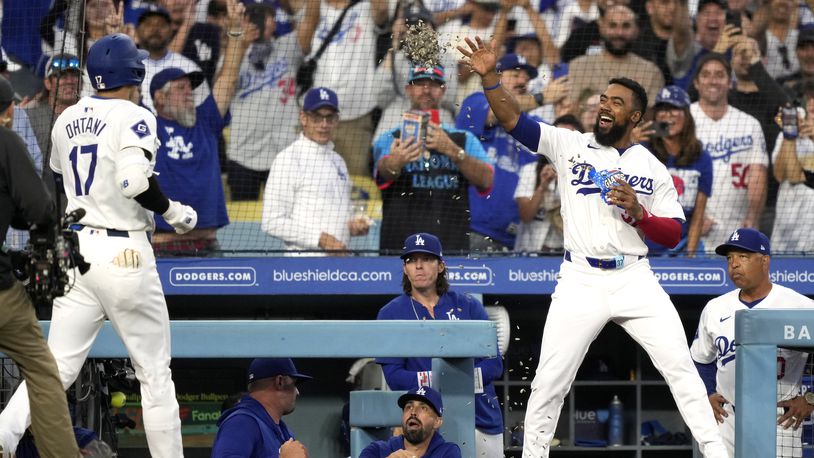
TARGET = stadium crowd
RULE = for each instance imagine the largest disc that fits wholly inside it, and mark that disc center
(230, 105)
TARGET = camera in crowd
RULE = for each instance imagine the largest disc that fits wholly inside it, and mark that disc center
(52, 251)
(414, 125)
(661, 129)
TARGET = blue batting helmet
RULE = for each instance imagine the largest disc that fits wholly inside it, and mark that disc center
(114, 61)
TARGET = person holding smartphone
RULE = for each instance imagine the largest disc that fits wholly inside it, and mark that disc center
(755, 92)
(793, 159)
(674, 143)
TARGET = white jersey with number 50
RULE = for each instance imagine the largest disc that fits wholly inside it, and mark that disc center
(87, 139)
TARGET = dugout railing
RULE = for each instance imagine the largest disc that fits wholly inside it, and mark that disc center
(758, 334)
(451, 344)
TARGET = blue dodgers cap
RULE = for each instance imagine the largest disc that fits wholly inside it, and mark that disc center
(423, 242)
(422, 72)
(673, 96)
(153, 10)
(747, 239)
(319, 97)
(511, 42)
(516, 61)
(262, 368)
(171, 74)
(426, 395)
(473, 114)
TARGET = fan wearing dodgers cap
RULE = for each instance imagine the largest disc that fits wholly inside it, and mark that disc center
(495, 216)
(422, 416)
(187, 160)
(425, 182)
(427, 297)
(254, 427)
(690, 165)
(154, 34)
(307, 200)
(748, 256)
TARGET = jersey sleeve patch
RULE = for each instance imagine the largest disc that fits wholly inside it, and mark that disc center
(140, 129)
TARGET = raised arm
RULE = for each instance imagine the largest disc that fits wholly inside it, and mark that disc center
(682, 31)
(306, 29)
(180, 38)
(786, 165)
(551, 53)
(696, 224)
(756, 179)
(530, 206)
(482, 59)
(236, 44)
(380, 12)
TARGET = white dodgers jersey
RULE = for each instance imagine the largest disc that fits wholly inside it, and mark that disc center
(736, 144)
(87, 138)
(592, 227)
(715, 341)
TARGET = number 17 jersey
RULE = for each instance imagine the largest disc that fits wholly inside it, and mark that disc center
(87, 141)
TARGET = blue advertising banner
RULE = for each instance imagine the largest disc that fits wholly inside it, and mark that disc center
(382, 275)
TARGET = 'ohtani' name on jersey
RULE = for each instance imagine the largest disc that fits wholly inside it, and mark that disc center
(85, 125)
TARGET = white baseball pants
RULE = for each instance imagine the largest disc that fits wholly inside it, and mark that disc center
(584, 301)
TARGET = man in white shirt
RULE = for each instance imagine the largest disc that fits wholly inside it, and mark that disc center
(307, 198)
(735, 141)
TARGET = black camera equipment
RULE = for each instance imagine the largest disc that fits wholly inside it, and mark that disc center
(54, 250)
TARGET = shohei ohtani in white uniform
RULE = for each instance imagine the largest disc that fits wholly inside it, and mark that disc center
(713, 349)
(614, 194)
(104, 149)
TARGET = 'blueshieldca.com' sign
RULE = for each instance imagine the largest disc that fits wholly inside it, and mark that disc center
(382, 275)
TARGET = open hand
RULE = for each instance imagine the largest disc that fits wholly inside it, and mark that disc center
(797, 409)
(642, 131)
(480, 57)
(235, 11)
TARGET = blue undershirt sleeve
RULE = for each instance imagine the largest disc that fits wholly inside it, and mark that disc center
(707, 373)
(527, 132)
